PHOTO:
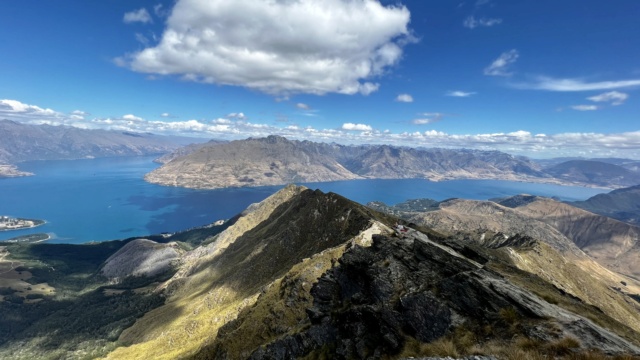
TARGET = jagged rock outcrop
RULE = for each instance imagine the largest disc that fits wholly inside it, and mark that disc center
(534, 244)
(275, 160)
(400, 289)
(141, 257)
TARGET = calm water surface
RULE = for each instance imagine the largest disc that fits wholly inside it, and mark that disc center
(105, 199)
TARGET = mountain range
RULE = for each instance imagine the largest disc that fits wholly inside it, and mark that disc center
(307, 274)
(22, 142)
(276, 161)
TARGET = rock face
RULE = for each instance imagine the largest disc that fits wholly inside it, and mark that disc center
(21, 142)
(378, 298)
(275, 161)
(621, 204)
(141, 257)
(547, 238)
(594, 172)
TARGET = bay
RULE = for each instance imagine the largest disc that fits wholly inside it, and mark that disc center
(107, 199)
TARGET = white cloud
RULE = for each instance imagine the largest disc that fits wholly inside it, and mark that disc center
(302, 106)
(404, 98)
(428, 118)
(237, 116)
(132, 117)
(584, 107)
(459, 93)
(568, 85)
(471, 22)
(279, 47)
(140, 15)
(519, 142)
(160, 11)
(356, 127)
(166, 115)
(15, 106)
(614, 97)
(499, 67)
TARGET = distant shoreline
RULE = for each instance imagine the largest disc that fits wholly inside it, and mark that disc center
(28, 239)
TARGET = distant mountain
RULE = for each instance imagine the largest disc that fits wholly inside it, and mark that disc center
(275, 161)
(185, 150)
(620, 204)
(630, 164)
(253, 162)
(594, 172)
(21, 142)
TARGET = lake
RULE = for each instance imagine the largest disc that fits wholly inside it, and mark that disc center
(107, 199)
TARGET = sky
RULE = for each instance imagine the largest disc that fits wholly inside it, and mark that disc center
(537, 78)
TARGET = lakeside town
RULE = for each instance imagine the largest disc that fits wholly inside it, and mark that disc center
(8, 223)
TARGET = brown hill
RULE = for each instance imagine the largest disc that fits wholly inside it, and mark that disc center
(275, 161)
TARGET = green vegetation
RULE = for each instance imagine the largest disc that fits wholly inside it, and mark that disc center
(85, 315)
(27, 239)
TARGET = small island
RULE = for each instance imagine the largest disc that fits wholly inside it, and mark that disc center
(8, 223)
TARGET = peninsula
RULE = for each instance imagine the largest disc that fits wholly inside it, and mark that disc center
(8, 223)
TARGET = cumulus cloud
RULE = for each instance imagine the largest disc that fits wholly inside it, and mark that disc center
(356, 127)
(302, 106)
(584, 107)
(14, 106)
(279, 47)
(459, 93)
(428, 118)
(471, 22)
(613, 97)
(237, 116)
(569, 85)
(140, 15)
(499, 67)
(406, 98)
(132, 117)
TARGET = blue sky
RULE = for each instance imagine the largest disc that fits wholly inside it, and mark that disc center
(539, 78)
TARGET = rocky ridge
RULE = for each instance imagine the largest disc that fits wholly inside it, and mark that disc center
(312, 274)
(541, 246)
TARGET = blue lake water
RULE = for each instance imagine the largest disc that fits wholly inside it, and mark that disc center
(106, 199)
